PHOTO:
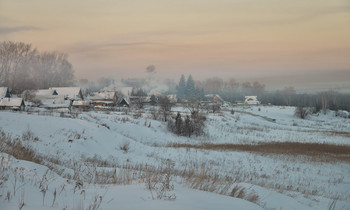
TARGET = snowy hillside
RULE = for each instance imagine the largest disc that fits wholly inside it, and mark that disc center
(111, 160)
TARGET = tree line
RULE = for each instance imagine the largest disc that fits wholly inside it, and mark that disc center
(23, 67)
(233, 91)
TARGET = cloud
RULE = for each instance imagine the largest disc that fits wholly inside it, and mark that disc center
(8, 30)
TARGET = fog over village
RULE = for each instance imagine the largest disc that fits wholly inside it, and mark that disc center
(193, 105)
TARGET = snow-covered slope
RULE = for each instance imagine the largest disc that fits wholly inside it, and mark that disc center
(278, 181)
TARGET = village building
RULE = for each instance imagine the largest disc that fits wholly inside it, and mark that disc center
(172, 98)
(12, 104)
(210, 99)
(251, 100)
(81, 105)
(105, 98)
(217, 99)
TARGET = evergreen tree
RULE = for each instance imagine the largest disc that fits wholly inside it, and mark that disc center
(181, 88)
(190, 88)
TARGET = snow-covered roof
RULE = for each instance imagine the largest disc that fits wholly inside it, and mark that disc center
(109, 95)
(70, 92)
(45, 92)
(4, 92)
(12, 102)
(251, 98)
(218, 97)
(126, 99)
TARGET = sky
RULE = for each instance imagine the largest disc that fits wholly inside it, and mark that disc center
(224, 38)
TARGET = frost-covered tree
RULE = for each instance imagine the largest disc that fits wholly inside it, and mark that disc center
(22, 67)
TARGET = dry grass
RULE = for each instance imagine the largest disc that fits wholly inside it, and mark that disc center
(17, 150)
(315, 150)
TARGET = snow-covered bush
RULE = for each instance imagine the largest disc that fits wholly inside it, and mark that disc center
(342, 113)
(301, 112)
(188, 126)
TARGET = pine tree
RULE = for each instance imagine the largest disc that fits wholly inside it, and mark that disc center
(181, 88)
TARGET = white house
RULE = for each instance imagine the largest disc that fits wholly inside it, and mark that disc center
(251, 100)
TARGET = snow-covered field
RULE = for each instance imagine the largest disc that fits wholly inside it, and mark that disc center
(105, 159)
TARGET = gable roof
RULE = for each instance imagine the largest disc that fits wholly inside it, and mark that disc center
(69, 92)
(4, 92)
(46, 92)
(12, 102)
(125, 99)
(217, 98)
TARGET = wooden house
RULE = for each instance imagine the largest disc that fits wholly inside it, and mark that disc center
(105, 98)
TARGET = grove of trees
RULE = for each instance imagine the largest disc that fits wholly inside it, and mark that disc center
(23, 67)
(187, 89)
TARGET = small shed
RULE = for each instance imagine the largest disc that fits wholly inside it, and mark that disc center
(12, 104)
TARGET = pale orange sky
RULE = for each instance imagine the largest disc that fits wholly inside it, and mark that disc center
(225, 38)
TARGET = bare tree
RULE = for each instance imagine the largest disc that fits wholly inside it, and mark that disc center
(14, 56)
(23, 67)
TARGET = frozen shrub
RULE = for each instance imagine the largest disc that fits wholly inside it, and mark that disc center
(125, 146)
(301, 112)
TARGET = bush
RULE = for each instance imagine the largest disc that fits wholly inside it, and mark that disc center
(125, 146)
(301, 112)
